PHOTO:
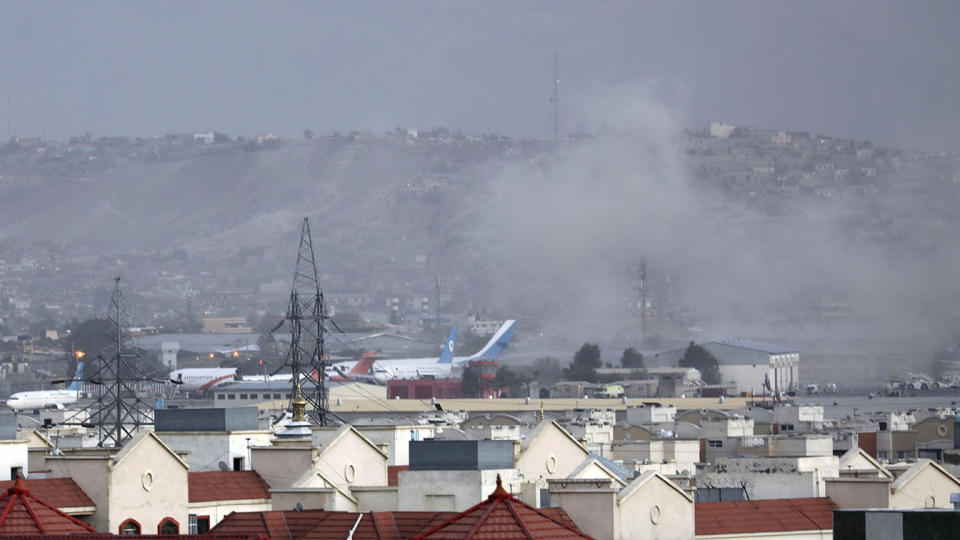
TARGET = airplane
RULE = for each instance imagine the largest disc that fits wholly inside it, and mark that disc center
(360, 371)
(48, 399)
(415, 368)
(202, 379)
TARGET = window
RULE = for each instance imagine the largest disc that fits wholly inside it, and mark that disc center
(16, 472)
(277, 396)
(238, 463)
(882, 454)
(253, 396)
(414, 434)
(199, 524)
(715, 444)
(786, 427)
(231, 396)
(243, 396)
(168, 525)
(192, 524)
(904, 454)
(129, 527)
(289, 396)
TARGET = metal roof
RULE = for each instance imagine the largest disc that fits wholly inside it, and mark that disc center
(755, 345)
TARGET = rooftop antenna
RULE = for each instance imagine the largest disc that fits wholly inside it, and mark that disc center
(555, 98)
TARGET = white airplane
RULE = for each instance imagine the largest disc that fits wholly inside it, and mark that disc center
(202, 379)
(48, 399)
(416, 368)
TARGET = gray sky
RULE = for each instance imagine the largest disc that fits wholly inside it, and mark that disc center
(886, 71)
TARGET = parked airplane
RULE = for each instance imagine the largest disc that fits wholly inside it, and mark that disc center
(415, 368)
(360, 369)
(202, 379)
(48, 399)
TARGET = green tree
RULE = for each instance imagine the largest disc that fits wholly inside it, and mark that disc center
(470, 385)
(585, 364)
(631, 358)
(701, 359)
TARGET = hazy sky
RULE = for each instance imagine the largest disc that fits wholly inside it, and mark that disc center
(874, 69)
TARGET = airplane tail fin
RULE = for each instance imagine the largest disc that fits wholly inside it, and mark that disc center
(498, 343)
(75, 383)
(446, 356)
(365, 364)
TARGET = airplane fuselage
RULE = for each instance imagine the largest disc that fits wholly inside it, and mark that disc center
(42, 399)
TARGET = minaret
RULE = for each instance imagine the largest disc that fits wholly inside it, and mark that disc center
(299, 427)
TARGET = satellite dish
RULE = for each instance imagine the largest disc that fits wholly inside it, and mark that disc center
(223, 466)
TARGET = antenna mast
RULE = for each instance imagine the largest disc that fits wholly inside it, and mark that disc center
(555, 99)
(643, 297)
(307, 315)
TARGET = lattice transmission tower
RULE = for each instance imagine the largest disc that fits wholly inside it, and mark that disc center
(307, 317)
(118, 411)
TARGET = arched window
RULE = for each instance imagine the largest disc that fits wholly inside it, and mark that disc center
(168, 525)
(130, 527)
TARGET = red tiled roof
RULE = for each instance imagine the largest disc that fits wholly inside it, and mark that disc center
(317, 524)
(393, 474)
(502, 517)
(25, 514)
(772, 515)
(226, 486)
(58, 492)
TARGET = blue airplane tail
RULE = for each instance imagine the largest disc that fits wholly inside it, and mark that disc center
(446, 357)
(498, 343)
(75, 383)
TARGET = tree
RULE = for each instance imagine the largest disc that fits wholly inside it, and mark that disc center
(585, 364)
(701, 359)
(631, 358)
(515, 382)
(90, 336)
(470, 382)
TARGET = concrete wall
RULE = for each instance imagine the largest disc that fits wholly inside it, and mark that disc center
(552, 455)
(656, 511)
(650, 415)
(593, 510)
(148, 485)
(208, 448)
(929, 488)
(351, 461)
(376, 498)
(450, 490)
(310, 499)
(398, 438)
(859, 492)
(90, 473)
(14, 453)
(281, 466)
